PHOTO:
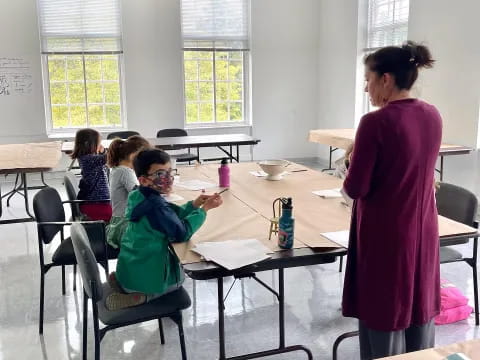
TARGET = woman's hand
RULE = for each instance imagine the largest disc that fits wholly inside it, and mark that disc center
(212, 202)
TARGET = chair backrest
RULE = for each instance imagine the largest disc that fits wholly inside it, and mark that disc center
(48, 207)
(86, 262)
(171, 133)
(121, 134)
(457, 203)
(71, 186)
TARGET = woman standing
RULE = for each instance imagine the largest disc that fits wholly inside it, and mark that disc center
(392, 276)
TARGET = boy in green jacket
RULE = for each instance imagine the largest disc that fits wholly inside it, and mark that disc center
(147, 265)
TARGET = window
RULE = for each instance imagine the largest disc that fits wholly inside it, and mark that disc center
(82, 62)
(387, 25)
(215, 59)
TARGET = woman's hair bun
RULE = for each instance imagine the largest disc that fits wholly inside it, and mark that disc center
(420, 55)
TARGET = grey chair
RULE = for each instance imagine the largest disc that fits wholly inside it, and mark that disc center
(122, 134)
(459, 204)
(184, 157)
(50, 216)
(169, 305)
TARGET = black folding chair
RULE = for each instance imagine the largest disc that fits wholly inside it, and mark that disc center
(169, 305)
(50, 216)
(121, 134)
(459, 204)
(183, 157)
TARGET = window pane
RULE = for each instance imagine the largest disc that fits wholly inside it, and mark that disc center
(110, 69)
(75, 69)
(206, 91)
(206, 113)
(236, 55)
(78, 116)
(206, 55)
(206, 70)
(76, 93)
(235, 70)
(94, 92)
(95, 115)
(221, 70)
(112, 93)
(58, 93)
(191, 72)
(192, 113)
(60, 116)
(235, 91)
(56, 68)
(236, 112)
(222, 91)
(191, 91)
(93, 67)
(113, 114)
(222, 112)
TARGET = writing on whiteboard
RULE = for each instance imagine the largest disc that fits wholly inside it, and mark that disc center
(15, 76)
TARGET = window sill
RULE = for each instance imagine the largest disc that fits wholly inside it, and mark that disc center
(70, 133)
(209, 126)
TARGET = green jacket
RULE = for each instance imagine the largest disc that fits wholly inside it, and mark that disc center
(147, 262)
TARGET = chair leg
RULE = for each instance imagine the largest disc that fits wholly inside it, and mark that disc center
(85, 326)
(42, 301)
(96, 331)
(177, 318)
(475, 293)
(75, 277)
(63, 280)
(162, 335)
(340, 266)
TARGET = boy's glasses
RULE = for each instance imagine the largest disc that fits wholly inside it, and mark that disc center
(161, 173)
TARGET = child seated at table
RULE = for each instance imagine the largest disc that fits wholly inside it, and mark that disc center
(122, 180)
(147, 266)
(91, 157)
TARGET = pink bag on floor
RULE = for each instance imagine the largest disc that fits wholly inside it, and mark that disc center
(453, 304)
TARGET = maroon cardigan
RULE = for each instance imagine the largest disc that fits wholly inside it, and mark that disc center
(392, 275)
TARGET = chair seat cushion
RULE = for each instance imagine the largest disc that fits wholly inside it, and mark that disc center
(448, 254)
(162, 307)
(64, 254)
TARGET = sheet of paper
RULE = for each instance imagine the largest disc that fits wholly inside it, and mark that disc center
(261, 173)
(233, 254)
(173, 197)
(329, 193)
(340, 237)
(195, 185)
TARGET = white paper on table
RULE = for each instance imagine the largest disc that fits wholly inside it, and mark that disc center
(261, 173)
(233, 254)
(339, 237)
(173, 197)
(195, 185)
(328, 194)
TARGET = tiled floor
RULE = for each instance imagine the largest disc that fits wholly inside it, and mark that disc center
(313, 296)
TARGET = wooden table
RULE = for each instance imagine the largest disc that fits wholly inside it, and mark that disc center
(225, 143)
(246, 212)
(469, 348)
(22, 159)
(343, 138)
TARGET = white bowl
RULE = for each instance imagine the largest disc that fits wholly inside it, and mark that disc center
(274, 168)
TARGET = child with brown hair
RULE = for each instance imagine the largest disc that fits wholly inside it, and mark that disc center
(122, 180)
(91, 157)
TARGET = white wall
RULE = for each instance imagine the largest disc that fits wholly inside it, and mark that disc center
(284, 72)
(453, 85)
(21, 117)
(337, 65)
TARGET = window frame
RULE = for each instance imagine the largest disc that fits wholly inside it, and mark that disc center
(48, 100)
(246, 91)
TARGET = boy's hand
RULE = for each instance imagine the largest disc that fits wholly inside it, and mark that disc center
(199, 201)
(212, 202)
